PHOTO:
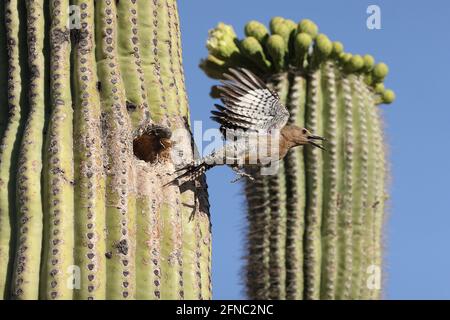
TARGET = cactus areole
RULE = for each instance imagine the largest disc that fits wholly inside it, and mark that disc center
(314, 227)
(92, 96)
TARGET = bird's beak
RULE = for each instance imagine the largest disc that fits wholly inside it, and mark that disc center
(311, 141)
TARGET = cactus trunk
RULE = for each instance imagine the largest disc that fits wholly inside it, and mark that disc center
(93, 103)
(314, 228)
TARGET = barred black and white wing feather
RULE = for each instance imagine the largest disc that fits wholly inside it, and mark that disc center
(248, 104)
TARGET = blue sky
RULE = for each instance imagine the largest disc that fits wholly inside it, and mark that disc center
(415, 43)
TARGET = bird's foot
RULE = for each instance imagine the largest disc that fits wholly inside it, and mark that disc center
(240, 175)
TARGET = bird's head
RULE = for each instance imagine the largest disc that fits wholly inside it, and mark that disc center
(302, 136)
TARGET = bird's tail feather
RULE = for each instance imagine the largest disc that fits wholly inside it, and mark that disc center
(193, 171)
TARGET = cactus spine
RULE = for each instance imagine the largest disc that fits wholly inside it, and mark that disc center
(314, 229)
(82, 211)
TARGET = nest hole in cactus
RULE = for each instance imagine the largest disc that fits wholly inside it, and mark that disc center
(153, 144)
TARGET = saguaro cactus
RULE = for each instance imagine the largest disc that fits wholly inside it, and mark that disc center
(314, 229)
(93, 94)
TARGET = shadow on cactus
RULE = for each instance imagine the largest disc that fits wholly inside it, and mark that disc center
(314, 229)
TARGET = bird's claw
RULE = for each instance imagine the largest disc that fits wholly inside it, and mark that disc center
(240, 175)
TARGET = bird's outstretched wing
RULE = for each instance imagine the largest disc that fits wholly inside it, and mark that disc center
(248, 104)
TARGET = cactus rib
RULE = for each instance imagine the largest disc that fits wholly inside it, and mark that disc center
(120, 199)
(58, 163)
(25, 282)
(330, 182)
(9, 156)
(90, 245)
(313, 177)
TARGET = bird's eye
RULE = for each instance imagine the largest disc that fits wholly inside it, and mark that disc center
(304, 131)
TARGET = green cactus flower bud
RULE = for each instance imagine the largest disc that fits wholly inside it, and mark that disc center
(257, 30)
(252, 49)
(379, 87)
(338, 48)
(323, 45)
(221, 41)
(380, 71)
(302, 43)
(283, 28)
(369, 62)
(356, 63)
(345, 57)
(290, 24)
(277, 49)
(226, 29)
(284, 31)
(388, 96)
(308, 27)
(275, 23)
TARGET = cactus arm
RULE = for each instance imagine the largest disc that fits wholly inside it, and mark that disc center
(313, 254)
(58, 163)
(295, 200)
(332, 233)
(130, 63)
(331, 181)
(120, 199)
(90, 249)
(29, 204)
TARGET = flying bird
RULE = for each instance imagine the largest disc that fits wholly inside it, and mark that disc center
(253, 122)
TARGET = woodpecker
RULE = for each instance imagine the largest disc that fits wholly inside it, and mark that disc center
(253, 122)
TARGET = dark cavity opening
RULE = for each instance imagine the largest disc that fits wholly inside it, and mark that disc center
(153, 144)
